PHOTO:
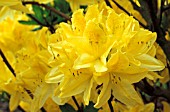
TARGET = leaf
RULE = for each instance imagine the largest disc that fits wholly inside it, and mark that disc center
(38, 11)
(62, 5)
(29, 22)
(90, 108)
(38, 28)
(67, 108)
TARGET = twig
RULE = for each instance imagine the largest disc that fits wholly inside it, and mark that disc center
(50, 27)
(47, 7)
(36, 20)
(7, 63)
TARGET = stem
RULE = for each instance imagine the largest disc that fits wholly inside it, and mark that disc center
(49, 8)
(110, 103)
(7, 63)
(50, 27)
(78, 106)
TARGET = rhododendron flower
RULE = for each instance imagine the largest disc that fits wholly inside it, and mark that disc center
(102, 48)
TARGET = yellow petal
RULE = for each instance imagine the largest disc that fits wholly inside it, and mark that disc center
(125, 93)
(83, 61)
(149, 107)
(114, 24)
(133, 78)
(76, 86)
(5, 12)
(41, 94)
(94, 33)
(122, 62)
(99, 66)
(92, 12)
(165, 75)
(54, 76)
(143, 44)
(151, 63)
(9, 2)
(87, 92)
(20, 7)
(105, 92)
(78, 21)
(14, 101)
(166, 106)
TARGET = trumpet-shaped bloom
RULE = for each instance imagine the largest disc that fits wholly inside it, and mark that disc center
(101, 47)
(28, 58)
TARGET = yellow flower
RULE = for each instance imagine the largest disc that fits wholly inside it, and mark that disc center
(64, 72)
(28, 57)
(102, 48)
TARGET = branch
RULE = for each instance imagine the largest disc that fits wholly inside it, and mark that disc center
(36, 20)
(49, 8)
(7, 63)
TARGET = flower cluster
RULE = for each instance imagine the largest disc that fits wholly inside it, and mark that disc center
(102, 53)
(98, 55)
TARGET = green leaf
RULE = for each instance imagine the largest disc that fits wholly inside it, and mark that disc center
(67, 108)
(90, 108)
(29, 22)
(38, 11)
(4, 97)
(62, 5)
(36, 29)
